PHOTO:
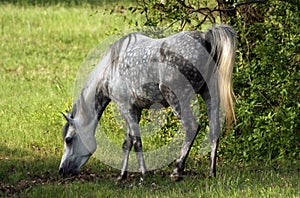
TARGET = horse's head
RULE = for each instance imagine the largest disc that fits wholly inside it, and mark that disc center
(79, 141)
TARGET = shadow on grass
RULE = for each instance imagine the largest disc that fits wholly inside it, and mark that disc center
(24, 172)
(19, 169)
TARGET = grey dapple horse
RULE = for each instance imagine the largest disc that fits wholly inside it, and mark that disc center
(137, 72)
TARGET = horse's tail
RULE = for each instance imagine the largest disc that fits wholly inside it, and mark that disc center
(223, 45)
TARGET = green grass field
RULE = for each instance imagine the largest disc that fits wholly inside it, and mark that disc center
(41, 50)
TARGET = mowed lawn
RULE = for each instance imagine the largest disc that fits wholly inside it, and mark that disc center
(41, 50)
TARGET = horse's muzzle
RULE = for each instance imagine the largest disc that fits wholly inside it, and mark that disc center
(64, 172)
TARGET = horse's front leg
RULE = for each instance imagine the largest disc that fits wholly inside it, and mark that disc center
(133, 138)
(127, 145)
(137, 144)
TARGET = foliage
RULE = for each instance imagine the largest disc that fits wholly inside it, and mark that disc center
(266, 76)
(178, 13)
(267, 83)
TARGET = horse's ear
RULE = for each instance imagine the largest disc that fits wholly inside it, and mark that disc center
(68, 117)
(65, 116)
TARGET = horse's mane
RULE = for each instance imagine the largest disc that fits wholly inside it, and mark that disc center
(115, 49)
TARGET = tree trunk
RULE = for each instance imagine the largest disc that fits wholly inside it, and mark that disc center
(221, 6)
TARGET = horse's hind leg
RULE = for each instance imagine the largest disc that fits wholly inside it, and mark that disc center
(184, 113)
(133, 138)
(212, 105)
(191, 129)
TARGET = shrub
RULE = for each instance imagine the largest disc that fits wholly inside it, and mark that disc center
(266, 76)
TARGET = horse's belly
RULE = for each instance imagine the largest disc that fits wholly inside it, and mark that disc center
(147, 95)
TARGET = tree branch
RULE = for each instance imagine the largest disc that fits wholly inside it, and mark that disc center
(182, 3)
(206, 12)
(235, 6)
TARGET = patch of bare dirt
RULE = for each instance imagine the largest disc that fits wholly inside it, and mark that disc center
(35, 180)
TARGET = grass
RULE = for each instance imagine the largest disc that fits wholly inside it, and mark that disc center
(41, 50)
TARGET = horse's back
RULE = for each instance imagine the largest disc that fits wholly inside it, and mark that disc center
(177, 61)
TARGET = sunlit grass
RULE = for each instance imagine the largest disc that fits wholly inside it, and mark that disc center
(41, 51)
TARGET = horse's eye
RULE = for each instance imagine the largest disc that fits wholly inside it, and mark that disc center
(69, 140)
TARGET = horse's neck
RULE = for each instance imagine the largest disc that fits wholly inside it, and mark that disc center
(95, 93)
(95, 96)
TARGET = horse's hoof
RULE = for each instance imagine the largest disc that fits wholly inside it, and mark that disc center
(122, 177)
(211, 174)
(176, 176)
